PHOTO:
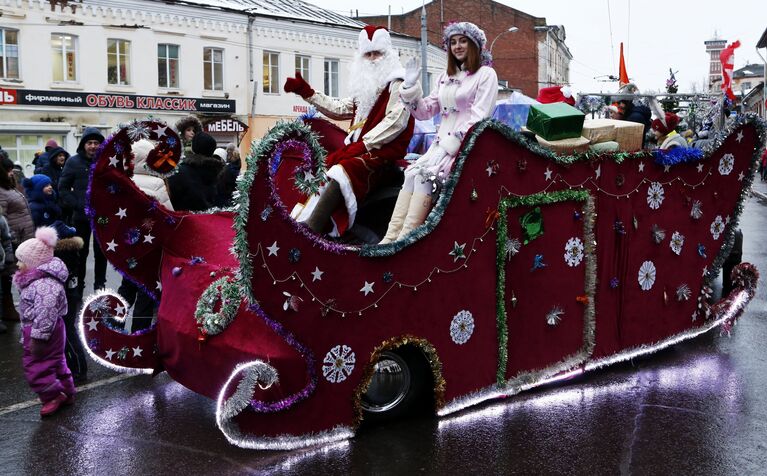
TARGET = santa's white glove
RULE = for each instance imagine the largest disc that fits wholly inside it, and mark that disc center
(412, 73)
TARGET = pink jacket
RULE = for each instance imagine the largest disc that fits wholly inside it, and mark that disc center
(462, 100)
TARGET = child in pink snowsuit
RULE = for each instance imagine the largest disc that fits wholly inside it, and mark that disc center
(40, 280)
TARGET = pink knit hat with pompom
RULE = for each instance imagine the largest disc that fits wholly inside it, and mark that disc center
(38, 250)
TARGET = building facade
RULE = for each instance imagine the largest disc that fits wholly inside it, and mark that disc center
(526, 59)
(714, 47)
(65, 65)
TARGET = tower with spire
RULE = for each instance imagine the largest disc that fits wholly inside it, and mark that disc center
(714, 46)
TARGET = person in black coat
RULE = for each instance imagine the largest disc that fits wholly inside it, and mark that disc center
(193, 187)
(55, 165)
(636, 113)
(227, 179)
(73, 186)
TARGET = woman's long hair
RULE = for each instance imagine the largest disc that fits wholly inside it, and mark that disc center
(6, 182)
(472, 60)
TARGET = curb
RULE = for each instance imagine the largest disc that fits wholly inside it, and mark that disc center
(761, 195)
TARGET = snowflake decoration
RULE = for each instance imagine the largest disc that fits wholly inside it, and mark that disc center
(655, 195)
(554, 316)
(574, 251)
(338, 363)
(726, 164)
(702, 250)
(538, 263)
(265, 213)
(513, 246)
(619, 227)
(388, 277)
(132, 236)
(717, 227)
(462, 327)
(683, 292)
(99, 306)
(137, 131)
(614, 282)
(131, 262)
(696, 211)
(658, 234)
(677, 241)
(294, 255)
(458, 251)
(646, 275)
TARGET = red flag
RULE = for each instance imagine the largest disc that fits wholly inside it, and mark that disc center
(623, 76)
(727, 58)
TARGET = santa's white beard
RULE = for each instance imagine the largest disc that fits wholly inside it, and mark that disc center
(368, 78)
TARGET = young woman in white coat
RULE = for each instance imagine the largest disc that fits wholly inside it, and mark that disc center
(464, 95)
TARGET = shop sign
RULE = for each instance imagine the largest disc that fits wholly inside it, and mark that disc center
(225, 125)
(29, 97)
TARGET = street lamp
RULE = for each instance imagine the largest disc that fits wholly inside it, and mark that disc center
(511, 29)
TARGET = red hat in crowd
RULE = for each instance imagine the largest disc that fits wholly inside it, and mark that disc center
(672, 120)
(556, 94)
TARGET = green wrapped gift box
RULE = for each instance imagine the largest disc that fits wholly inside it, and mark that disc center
(555, 121)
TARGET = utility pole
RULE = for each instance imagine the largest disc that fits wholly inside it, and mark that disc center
(424, 44)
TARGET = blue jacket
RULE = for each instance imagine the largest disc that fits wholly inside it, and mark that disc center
(43, 207)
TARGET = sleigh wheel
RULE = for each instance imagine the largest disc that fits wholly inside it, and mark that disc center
(400, 386)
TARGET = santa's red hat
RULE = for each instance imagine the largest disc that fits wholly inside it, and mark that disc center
(672, 120)
(556, 94)
(374, 38)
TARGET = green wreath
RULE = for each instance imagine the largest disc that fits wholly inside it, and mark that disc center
(222, 291)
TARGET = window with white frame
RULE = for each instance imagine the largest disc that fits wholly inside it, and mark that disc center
(302, 66)
(64, 57)
(118, 62)
(167, 66)
(331, 77)
(21, 148)
(9, 54)
(271, 72)
(213, 66)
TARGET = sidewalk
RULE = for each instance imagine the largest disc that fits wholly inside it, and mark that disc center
(759, 188)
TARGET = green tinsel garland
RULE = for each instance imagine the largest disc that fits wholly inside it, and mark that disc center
(500, 258)
(226, 292)
(260, 152)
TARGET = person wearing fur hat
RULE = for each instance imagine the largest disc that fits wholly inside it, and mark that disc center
(665, 132)
(73, 186)
(380, 131)
(43, 304)
(193, 187)
(187, 127)
(465, 94)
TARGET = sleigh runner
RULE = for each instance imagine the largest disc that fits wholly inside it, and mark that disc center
(529, 268)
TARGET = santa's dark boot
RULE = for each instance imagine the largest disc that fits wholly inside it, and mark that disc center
(330, 199)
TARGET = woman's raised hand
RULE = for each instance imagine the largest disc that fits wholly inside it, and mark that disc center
(412, 73)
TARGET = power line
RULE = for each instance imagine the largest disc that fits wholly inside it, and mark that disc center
(612, 46)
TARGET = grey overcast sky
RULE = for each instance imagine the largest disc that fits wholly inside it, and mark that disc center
(657, 35)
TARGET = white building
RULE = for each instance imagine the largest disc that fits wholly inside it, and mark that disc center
(553, 56)
(69, 64)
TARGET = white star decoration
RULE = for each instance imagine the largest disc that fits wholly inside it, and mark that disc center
(110, 353)
(367, 288)
(599, 171)
(111, 246)
(120, 310)
(92, 324)
(458, 251)
(273, 249)
(641, 166)
(489, 170)
(699, 167)
(740, 136)
(160, 131)
(122, 213)
(148, 238)
(317, 274)
(158, 286)
(666, 168)
(741, 175)
(548, 173)
(137, 351)
(705, 270)
(113, 161)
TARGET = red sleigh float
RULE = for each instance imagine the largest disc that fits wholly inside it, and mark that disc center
(529, 268)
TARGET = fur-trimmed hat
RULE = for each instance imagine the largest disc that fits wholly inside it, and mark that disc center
(472, 32)
(374, 38)
(38, 250)
(186, 122)
(552, 94)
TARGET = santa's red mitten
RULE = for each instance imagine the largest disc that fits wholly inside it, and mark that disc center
(355, 149)
(299, 86)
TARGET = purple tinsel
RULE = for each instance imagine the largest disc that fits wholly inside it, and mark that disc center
(303, 394)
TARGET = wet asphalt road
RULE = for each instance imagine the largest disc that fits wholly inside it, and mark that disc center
(697, 408)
